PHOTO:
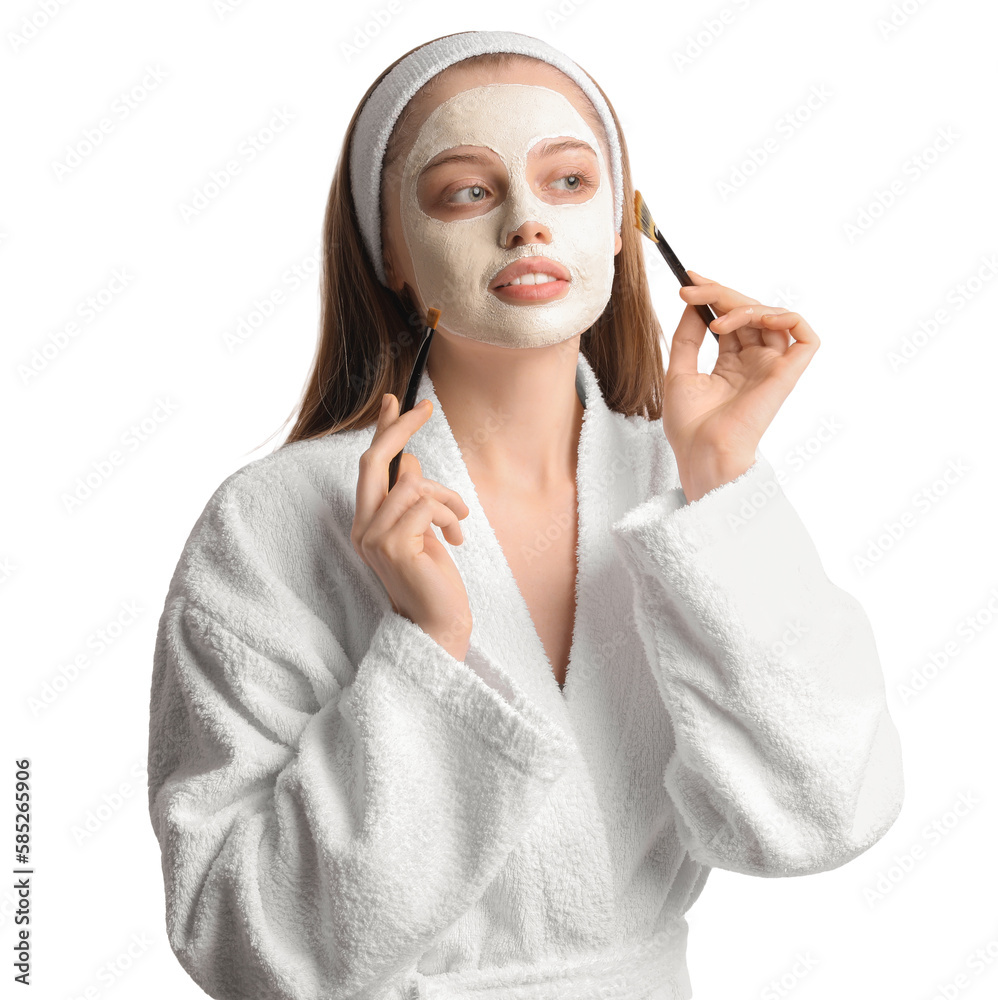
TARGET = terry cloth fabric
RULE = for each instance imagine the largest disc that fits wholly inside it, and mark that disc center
(345, 810)
(377, 117)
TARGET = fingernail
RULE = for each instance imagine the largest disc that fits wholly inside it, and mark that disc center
(384, 402)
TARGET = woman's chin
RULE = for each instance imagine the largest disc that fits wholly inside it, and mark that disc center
(517, 339)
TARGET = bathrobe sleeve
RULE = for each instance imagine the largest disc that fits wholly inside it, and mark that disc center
(321, 821)
(786, 761)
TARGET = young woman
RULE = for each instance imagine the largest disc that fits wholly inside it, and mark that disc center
(502, 764)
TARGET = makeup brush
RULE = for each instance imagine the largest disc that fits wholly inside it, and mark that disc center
(409, 400)
(644, 222)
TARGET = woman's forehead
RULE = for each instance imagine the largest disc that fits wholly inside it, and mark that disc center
(508, 118)
(462, 77)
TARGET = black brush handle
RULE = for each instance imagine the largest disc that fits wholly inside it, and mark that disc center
(409, 400)
(703, 311)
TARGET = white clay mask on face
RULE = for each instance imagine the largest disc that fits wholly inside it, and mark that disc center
(457, 259)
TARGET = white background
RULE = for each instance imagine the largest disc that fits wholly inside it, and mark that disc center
(878, 438)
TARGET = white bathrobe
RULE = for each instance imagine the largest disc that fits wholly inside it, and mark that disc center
(347, 811)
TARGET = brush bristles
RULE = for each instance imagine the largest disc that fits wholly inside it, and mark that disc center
(432, 318)
(642, 217)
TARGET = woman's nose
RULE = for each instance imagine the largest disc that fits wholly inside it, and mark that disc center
(529, 232)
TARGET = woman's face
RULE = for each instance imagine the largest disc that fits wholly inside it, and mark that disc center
(504, 175)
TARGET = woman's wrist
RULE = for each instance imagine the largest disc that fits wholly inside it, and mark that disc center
(710, 474)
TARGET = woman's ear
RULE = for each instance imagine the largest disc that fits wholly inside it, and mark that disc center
(617, 244)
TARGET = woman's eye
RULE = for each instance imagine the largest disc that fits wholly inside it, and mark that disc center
(575, 182)
(476, 192)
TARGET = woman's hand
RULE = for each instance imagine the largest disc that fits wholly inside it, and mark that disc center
(714, 422)
(392, 532)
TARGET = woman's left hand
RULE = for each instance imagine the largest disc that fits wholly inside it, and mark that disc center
(714, 422)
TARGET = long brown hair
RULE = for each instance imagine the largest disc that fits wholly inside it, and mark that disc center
(369, 337)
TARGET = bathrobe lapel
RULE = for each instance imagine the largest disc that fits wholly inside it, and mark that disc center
(503, 628)
(610, 706)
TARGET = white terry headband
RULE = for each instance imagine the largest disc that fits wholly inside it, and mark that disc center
(380, 111)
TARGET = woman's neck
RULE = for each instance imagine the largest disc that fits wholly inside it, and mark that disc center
(514, 412)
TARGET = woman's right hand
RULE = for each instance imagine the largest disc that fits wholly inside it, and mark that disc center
(392, 532)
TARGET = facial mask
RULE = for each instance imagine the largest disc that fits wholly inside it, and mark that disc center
(455, 261)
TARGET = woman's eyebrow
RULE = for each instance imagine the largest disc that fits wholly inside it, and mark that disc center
(563, 145)
(476, 158)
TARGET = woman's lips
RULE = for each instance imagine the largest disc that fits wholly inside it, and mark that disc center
(532, 293)
(527, 270)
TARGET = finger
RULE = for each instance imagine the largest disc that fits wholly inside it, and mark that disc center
(725, 345)
(686, 342)
(443, 493)
(408, 463)
(416, 521)
(738, 328)
(777, 339)
(806, 342)
(704, 291)
(394, 429)
(408, 491)
(390, 436)
(728, 341)
(699, 279)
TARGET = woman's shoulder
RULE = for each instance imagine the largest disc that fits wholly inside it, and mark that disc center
(280, 522)
(326, 465)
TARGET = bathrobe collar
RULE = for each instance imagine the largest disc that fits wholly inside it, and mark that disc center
(503, 629)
